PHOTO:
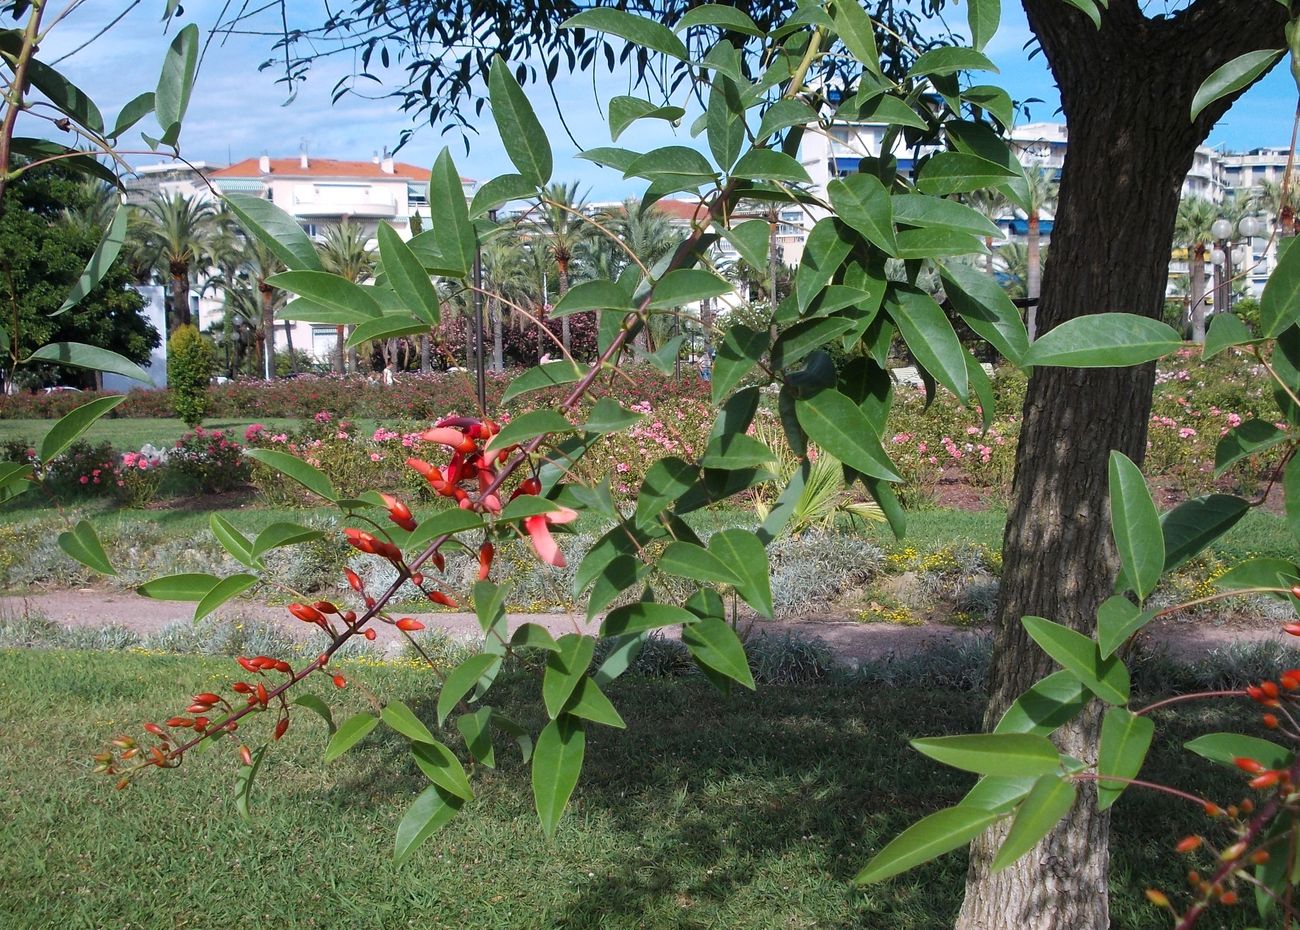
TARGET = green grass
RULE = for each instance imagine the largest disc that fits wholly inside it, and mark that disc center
(126, 433)
(748, 812)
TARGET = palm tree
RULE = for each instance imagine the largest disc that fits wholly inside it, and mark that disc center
(178, 231)
(1192, 231)
(563, 229)
(992, 205)
(1042, 196)
(1013, 262)
(509, 278)
(345, 251)
(648, 234)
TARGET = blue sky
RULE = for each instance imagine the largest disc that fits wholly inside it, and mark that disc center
(240, 112)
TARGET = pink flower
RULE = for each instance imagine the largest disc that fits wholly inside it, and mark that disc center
(921, 447)
(253, 432)
(84, 479)
(376, 457)
(1234, 420)
(1186, 433)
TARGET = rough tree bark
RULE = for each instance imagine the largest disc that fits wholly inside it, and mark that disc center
(180, 308)
(1126, 91)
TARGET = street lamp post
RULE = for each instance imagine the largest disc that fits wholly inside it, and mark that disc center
(1229, 254)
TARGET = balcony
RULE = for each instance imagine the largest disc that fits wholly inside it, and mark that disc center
(323, 209)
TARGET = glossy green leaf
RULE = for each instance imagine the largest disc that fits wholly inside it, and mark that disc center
(636, 29)
(922, 211)
(590, 703)
(1234, 76)
(66, 96)
(387, 327)
(611, 157)
(440, 765)
(829, 244)
(625, 110)
(500, 191)
(432, 810)
(1226, 330)
(609, 416)
(1135, 525)
(993, 753)
(103, 258)
(740, 351)
(1042, 809)
(950, 60)
(1261, 572)
(461, 679)
(593, 295)
(565, 667)
(1224, 747)
(351, 732)
(1291, 495)
(1081, 656)
(1090, 9)
(687, 285)
(687, 560)
(889, 109)
(453, 233)
(190, 586)
(281, 233)
(283, 534)
(552, 374)
(1048, 705)
(1125, 739)
(134, 110)
(802, 338)
(676, 165)
(79, 355)
(771, 165)
(172, 96)
(734, 451)
(222, 591)
(861, 201)
(1250, 438)
(665, 481)
(529, 426)
(311, 478)
(522, 134)
(533, 636)
(642, 616)
(926, 839)
(557, 763)
(74, 424)
(983, 17)
(960, 172)
(783, 114)
(857, 32)
(930, 338)
(476, 729)
(82, 543)
(1103, 340)
(442, 523)
(330, 291)
(1118, 618)
(406, 276)
(727, 17)
(1195, 523)
(724, 121)
(742, 552)
(986, 308)
(316, 706)
(840, 427)
(399, 717)
(715, 645)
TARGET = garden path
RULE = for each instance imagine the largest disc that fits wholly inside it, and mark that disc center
(854, 641)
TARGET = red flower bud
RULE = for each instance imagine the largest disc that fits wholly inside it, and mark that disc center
(207, 697)
(183, 722)
(283, 667)
(1228, 898)
(1269, 688)
(1270, 721)
(325, 607)
(397, 511)
(201, 723)
(306, 613)
(242, 687)
(198, 708)
(417, 578)
(1188, 844)
(354, 581)
(369, 634)
(1157, 898)
(155, 729)
(340, 681)
(409, 625)
(245, 755)
(447, 436)
(485, 554)
(1292, 628)
(280, 728)
(1266, 780)
(247, 664)
(439, 598)
(262, 696)
(1249, 766)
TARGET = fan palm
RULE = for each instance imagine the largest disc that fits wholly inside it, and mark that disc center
(563, 230)
(345, 251)
(1192, 231)
(178, 231)
(509, 278)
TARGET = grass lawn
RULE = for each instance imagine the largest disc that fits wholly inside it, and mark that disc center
(127, 433)
(747, 812)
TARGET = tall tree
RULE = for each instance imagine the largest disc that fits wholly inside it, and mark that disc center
(345, 251)
(178, 231)
(1042, 196)
(1192, 232)
(509, 281)
(992, 205)
(563, 229)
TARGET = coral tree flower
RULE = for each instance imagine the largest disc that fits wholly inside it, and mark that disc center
(539, 533)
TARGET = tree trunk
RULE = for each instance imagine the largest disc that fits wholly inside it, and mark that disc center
(498, 348)
(1033, 275)
(181, 300)
(340, 359)
(988, 258)
(1197, 290)
(564, 320)
(1126, 91)
(268, 329)
(288, 342)
(424, 353)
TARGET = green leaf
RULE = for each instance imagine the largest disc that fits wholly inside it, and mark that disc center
(642, 616)
(190, 586)
(533, 636)
(932, 212)
(82, 544)
(687, 560)
(222, 591)
(1231, 77)
(802, 338)
(624, 111)
(281, 233)
(172, 96)
(290, 466)
(742, 552)
(993, 753)
(949, 60)
(734, 451)
(244, 783)
(1195, 523)
(564, 669)
(1106, 678)
(102, 260)
(1125, 739)
(674, 164)
(1118, 618)
(1135, 524)
(728, 18)
(593, 295)
(73, 424)
(282, 534)
(500, 191)
(330, 291)
(443, 523)
(829, 244)
(930, 338)
(1291, 495)
(1224, 747)
(724, 120)
(770, 165)
(611, 157)
(983, 17)
(134, 110)
(407, 276)
(79, 355)
(857, 32)
(783, 114)
(840, 428)
(1259, 573)
(476, 729)
(388, 327)
(992, 100)
(440, 765)
(399, 717)
(590, 703)
(986, 308)
(740, 351)
(1103, 340)
(751, 240)
(432, 810)
(687, 285)
(665, 481)
(861, 201)
(926, 839)
(1249, 438)
(1042, 809)
(527, 505)
(1051, 703)
(529, 426)
(1227, 330)
(70, 99)
(636, 29)
(557, 763)
(522, 134)
(352, 731)
(959, 172)
(609, 416)
(317, 706)
(1089, 8)
(1279, 305)
(461, 679)
(453, 233)
(550, 375)
(715, 645)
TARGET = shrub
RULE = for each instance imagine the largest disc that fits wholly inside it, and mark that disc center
(190, 364)
(208, 462)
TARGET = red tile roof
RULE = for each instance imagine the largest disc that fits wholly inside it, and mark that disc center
(688, 210)
(323, 168)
